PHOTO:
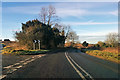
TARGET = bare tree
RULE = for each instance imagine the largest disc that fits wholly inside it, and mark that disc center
(48, 15)
(64, 29)
(112, 39)
(72, 36)
(43, 15)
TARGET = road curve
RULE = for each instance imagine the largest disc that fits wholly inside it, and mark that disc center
(98, 68)
(69, 64)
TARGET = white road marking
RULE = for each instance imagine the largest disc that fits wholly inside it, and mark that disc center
(79, 73)
(12, 70)
(26, 59)
(25, 63)
(87, 74)
(21, 61)
(2, 76)
(16, 63)
(18, 67)
(14, 67)
(8, 67)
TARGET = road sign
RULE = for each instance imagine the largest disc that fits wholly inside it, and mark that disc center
(38, 41)
(35, 41)
(39, 44)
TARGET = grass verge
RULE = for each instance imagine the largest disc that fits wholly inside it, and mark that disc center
(115, 57)
(11, 51)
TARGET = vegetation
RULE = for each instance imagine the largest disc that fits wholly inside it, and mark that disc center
(47, 30)
(105, 55)
(11, 51)
(35, 30)
(3, 45)
(106, 50)
(48, 15)
(72, 37)
(6, 40)
(85, 44)
(112, 39)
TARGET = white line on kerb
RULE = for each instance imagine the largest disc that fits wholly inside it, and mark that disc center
(80, 74)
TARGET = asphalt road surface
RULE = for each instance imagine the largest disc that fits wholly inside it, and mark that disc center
(64, 64)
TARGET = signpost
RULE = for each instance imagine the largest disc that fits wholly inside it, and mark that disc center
(34, 41)
(39, 44)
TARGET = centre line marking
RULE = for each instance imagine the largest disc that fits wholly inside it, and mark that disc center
(80, 74)
(87, 74)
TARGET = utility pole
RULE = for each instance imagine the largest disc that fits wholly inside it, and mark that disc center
(39, 44)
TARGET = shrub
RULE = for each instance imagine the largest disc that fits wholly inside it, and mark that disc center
(7, 50)
(85, 44)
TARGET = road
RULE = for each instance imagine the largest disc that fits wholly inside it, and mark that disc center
(66, 64)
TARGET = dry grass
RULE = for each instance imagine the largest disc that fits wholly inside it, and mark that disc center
(112, 50)
(15, 45)
(110, 54)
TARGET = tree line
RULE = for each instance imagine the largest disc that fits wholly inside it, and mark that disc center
(112, 40)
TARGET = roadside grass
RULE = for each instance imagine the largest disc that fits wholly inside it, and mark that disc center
(107, 55)
(112, 50)
(11, 51)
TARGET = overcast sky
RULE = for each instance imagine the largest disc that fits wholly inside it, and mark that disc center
(92, 21)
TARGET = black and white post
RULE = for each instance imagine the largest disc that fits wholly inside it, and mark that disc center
(39, 44)
(34, 44)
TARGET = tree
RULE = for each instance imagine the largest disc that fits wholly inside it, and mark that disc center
(101, 44)
(72, 36)
(112, 39)
(85, 44)
(64, 29)
(43, 15)
(96, 46)
(36, 30)
(48, 15)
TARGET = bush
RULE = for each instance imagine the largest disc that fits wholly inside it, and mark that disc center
(85, 44)
(7, 50)
(3, 45)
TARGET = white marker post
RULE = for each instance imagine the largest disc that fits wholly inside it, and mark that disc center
(39, 44)
(34, 44)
